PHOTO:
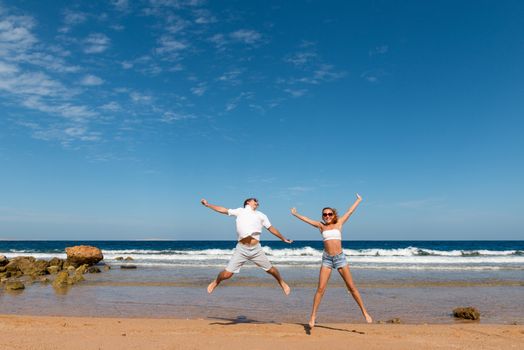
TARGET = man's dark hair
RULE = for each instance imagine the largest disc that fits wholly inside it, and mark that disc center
(250, 199)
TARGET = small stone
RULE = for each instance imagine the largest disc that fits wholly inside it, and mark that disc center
(107, 267)
(467, 313)
(128, 266)
(53, 270)
(119, 258)
(93, 269)
(61, 279)
(129, 258)
(395, 320)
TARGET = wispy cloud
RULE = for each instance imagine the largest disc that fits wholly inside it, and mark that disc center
(91, 80)
(72, 18)
(96, 43)
(246, 36)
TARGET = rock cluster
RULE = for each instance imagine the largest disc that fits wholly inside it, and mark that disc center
(69, 271)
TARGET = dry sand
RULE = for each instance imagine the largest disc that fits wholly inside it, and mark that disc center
(39, 333)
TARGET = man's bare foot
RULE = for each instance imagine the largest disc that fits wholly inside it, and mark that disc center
(285, 288)
(368, 318)
(311, 322)
(211, 287)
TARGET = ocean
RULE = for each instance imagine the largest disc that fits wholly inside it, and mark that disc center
(416, 281)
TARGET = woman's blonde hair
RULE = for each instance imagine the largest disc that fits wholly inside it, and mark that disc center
(335, 214)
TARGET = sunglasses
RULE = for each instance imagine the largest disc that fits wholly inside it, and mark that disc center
(327, 214)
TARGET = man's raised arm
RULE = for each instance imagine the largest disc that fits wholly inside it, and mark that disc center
(216, 208)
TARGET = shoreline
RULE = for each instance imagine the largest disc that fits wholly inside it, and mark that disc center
(53, 332)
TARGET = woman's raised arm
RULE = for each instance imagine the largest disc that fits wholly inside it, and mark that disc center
(350, 211)
(314, 223)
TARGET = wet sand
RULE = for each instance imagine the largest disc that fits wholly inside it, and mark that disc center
(38, 332)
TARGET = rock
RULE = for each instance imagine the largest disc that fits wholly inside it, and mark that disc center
(44, 280)
(14, 285)
(82, 269)
(107, 267)
(3, 260)
(119, 258)
(71, 268)
(3, 269)
(129, 258)
(53, 270)
(93, 269)
(467, 313)
(83, 254)
(128, 266)
(27, 265)
(57, 262)
(61, 279)
(395, 320)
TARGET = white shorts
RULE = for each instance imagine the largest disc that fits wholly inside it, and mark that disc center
(245, 253)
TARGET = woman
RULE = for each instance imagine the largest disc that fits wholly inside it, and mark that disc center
(331, 229)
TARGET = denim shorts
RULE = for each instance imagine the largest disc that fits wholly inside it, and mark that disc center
(334, 261)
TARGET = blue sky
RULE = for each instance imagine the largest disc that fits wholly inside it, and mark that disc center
(118, 116)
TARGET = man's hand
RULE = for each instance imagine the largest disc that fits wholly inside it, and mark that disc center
(359, 197)
(294, 211)
(204, 202)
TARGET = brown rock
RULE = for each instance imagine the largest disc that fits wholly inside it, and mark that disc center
(83, 254)
(53, 270)
(467, 313)
(395, 320)
(56, 262)
(61, 279)
(3, 260)
(14, 285)
(93, 269)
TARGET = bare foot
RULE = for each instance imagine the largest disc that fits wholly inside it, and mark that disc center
(311, 322)
(368, 318)
(285, 288)
(211, 287)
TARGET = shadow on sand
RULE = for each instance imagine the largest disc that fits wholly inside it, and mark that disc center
(238, 320)
(308, 329)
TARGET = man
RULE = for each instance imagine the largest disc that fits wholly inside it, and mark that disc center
(249, 223)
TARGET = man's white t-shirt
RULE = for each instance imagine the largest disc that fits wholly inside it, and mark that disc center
(249, 222)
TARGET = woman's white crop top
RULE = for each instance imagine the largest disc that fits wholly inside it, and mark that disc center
(331, 234)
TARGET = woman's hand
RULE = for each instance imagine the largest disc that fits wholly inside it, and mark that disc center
(204, 202)
(288, 240)
(359, 197)
(294, 211)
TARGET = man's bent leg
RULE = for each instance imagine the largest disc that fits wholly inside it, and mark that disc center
(223, 275)
(273, 271)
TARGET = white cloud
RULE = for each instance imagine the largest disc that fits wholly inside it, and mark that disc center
(296, 92)
(246, 36)
(32, 84)
(200, 89)
(7, 69)
(66, 110)
(140, 98)
(91, 80)
(96, 43)
(15, 34)
(111, 106)
(300, 59)
(170, 45)
(170, 117)
(121, 5)
(127, 65)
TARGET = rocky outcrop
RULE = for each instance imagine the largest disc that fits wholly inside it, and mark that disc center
(3, 260)
(467, 313)
(26, 265)
(82, 254)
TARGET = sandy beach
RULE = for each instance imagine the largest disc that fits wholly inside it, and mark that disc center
(36, 332)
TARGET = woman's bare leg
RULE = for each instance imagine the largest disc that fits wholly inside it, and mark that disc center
(323, 278)
(346, 276)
